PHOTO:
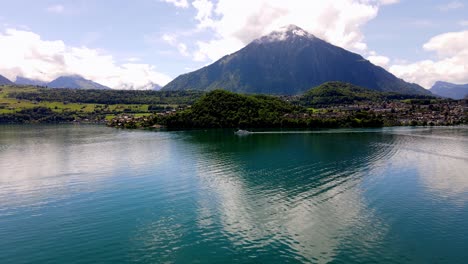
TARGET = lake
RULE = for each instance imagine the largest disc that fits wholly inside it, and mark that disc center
(92, 194)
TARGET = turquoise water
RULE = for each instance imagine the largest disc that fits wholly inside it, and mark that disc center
(91, 194)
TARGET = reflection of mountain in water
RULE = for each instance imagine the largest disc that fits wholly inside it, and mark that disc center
(295, 193)
(294, 158)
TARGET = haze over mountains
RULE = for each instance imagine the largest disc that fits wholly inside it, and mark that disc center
(70, 81)
(4, 81)
(450, 90)
(26, 81)
(75, 82)
(290, 61)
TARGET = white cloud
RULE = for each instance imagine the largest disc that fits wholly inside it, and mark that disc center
(178, 3)
(25, 54)
(451, 6)
(58, 9)
(389, 2)
(236, 23)
(381, 61)
(182, 48)
(172, 40)
(450, 65)
(448, 44)
(204, 12)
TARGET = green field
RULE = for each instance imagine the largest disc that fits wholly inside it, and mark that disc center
(71, 103)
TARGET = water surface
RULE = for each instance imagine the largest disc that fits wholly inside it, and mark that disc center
(91, 194)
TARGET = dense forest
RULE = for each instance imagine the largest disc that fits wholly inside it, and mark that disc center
(339, 93)
(108, 96)
(38, 115)
(223, 109)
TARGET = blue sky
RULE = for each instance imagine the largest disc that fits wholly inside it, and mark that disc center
(134, 44)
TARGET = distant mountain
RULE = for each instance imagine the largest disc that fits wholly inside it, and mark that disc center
(26, 81)
(75, 82)
(290, 61)
(450, 90)
(4, 81)
(156, 87)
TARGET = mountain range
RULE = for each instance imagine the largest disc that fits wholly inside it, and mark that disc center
(70, 81)
(4, 81)
(287, 62)
(75, 82)
(78, 82)
(450, 90)
(26, 81)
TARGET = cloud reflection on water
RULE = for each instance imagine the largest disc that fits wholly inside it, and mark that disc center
(441, 158)
(42, 162)
(309, 220)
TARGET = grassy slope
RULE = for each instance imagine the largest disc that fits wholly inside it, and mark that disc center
(10, 105)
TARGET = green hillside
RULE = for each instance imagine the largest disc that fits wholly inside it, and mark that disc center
(30, 104)
(339, 93)
(223, 109)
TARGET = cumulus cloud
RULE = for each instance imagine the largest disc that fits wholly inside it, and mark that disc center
(389, 2)
(379, 60)
(182, 48)
(178, 3)
(450, 64)
(25, 54)
(204, 11)
(236, 23)
(172, 40)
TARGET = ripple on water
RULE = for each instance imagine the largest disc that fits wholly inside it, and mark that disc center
(347, 196)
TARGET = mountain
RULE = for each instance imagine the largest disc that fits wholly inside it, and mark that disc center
(26, 81)
(75, 82)
(155, 87)
(4, 81)
(450, 90)
(290, 61)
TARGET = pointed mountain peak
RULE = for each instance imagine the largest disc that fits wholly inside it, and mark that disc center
(73, 76)
(290, 61)
(293, 29)
(285, 33)
(4, 81)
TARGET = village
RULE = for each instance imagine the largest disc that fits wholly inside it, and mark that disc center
(392, 113)
(400, 113)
